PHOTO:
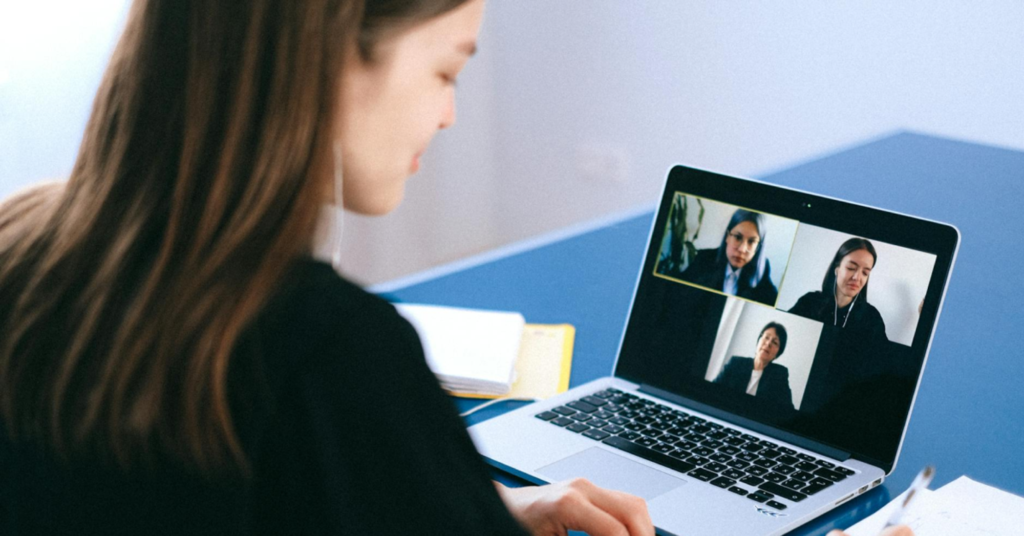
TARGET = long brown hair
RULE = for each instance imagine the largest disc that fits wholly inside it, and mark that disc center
(198, 182)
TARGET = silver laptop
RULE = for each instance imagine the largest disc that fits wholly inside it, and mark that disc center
(758, 382)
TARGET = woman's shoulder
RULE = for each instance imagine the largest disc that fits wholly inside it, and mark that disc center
(315, 311)
(739, 362)
(815, 296)
(778, 370)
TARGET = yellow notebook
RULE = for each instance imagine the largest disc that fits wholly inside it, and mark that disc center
(544, 363)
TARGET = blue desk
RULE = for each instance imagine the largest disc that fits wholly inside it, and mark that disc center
(969, 414)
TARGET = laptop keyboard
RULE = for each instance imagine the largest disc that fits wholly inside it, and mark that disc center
(748, 466)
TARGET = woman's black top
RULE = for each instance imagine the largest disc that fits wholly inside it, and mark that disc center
(864, 320)
(773, 387)
(708, 272)
(345, 426)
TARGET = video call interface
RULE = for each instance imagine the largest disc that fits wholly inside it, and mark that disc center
(793, 325)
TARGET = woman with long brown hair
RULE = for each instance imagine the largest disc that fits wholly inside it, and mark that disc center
(173, 360)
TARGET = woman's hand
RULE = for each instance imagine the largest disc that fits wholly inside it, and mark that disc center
(577, 504)
(898, 530)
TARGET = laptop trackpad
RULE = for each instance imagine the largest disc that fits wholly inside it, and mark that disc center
(611, 471)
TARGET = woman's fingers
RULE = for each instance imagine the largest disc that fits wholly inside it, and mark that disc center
(578, 505)
(628, 509)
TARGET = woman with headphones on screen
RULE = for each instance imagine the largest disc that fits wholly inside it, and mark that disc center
(843, 299)
(173, 360)
(738, 266)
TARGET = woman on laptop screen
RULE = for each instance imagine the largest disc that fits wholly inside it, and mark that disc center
(843, 299)
(760, 376)
(738, 266)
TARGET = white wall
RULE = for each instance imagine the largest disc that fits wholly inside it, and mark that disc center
(574, 110)
(896, 287)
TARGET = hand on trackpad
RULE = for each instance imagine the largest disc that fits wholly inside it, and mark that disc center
(611, 471)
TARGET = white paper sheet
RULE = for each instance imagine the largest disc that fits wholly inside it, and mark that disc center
(468, 349)
(962, 507)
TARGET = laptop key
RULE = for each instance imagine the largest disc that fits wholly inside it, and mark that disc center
(730, 450)
(663, 448)
(752, 480)
(806, 466)
(802, 476)
(547, 415)
(747, 456)
(757, 471)
(582, 406)
(647, 454)
(630, 436)
(738, 491)
(794, 485)
(723, 482)
(805, 457)
(783, 491)
(564, 410)
(811, 489)
(577, 427)
(760, 496)
(775, 477)
(562, 421)
(646, 442)
(844, 471)
(737, 464)
(733, 474)
(581, 417)
(784, 469)
(776, 505)
(596, 434)
(612, 429)
(715, 466)
(594, 401)
(830, 474)
(702, 474)
(720, 458)
(826, 464)
(770, 453)
(788, 460)
(697, 461)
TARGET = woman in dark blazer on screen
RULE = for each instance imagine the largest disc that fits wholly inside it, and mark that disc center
(760, 376)
(738, 266)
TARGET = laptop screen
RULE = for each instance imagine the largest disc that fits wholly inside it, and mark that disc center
(801, 313)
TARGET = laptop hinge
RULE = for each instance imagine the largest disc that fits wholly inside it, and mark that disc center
(781, 435)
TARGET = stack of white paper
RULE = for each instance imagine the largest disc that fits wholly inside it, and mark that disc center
(470, 351)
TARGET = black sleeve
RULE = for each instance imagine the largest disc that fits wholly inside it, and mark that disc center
(377, 445)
